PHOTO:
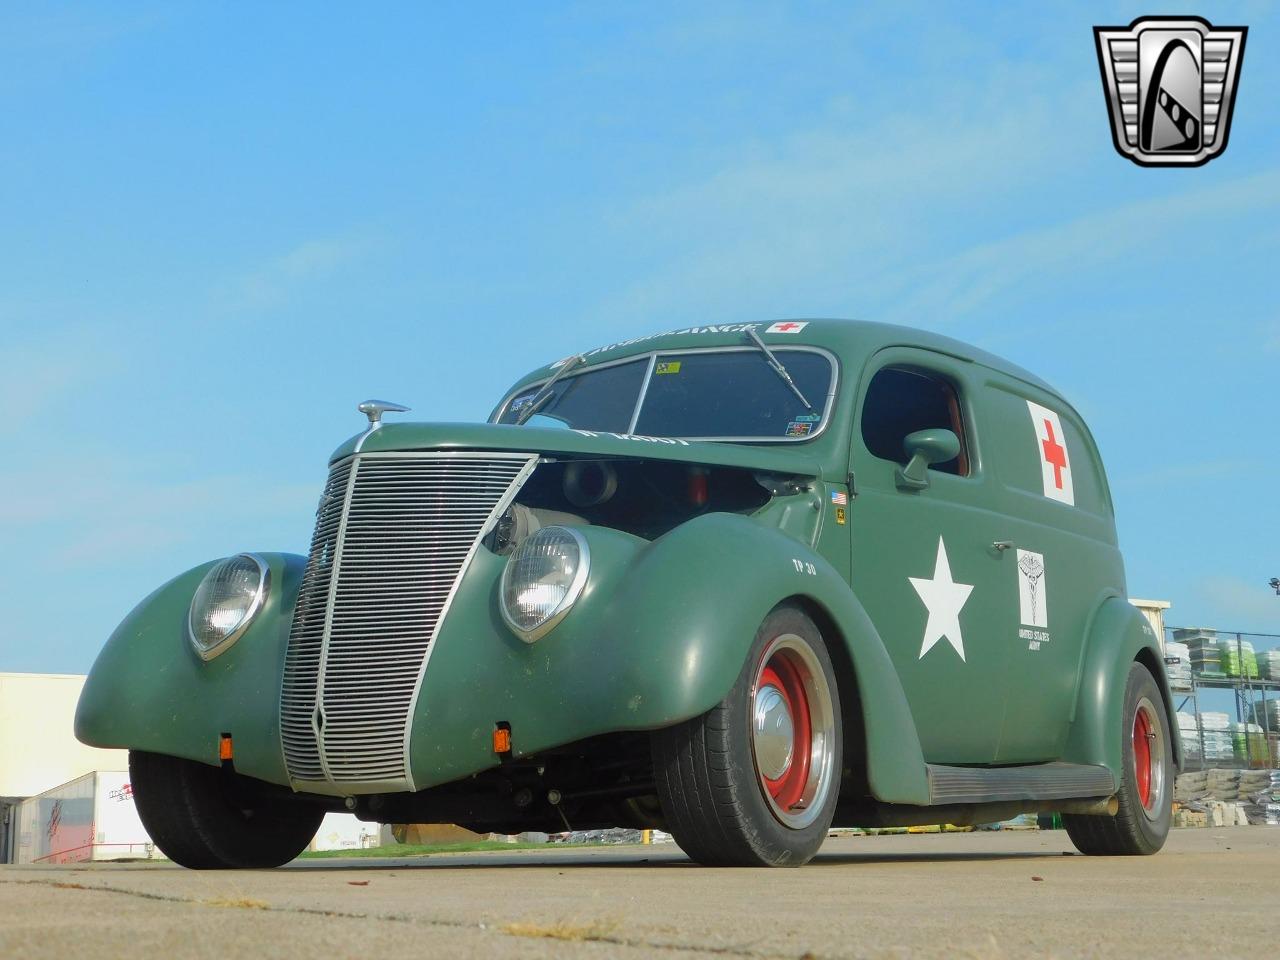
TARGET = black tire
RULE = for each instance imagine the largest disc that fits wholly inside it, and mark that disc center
(715, 800)
(1137, 829)
(206, 818)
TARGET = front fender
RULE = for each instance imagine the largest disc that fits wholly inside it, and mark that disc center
(1119, 635)
(148, 690)
(659, 635)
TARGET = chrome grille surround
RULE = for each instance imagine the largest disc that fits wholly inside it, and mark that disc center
(394, 534)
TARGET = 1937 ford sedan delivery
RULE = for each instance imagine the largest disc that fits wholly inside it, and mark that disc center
(742, 582)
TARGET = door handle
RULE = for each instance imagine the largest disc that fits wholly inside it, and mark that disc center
(1000, 546)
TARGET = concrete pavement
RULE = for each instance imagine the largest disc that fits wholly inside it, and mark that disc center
(1210, 893)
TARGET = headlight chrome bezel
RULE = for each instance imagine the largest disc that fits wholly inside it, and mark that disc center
(255, 607)
(574, 591)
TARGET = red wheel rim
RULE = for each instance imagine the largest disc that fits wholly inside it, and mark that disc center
(1142, 756)
(782, 674)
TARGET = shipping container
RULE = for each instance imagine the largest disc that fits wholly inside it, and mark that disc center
(91, 818)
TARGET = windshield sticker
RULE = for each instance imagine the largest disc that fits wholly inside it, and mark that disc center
(519, 403)
(799, 428)
(809, 417)
(667, 366)
(787, 326)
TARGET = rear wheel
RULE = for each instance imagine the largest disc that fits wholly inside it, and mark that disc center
(1141, 824)
(207, 818)
(754, 781)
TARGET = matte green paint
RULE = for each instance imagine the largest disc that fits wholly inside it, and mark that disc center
(481, 436)
(149, 690)
(661, 631)
(1119, 635)
(659, 635)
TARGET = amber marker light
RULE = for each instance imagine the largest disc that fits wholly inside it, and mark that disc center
(502, 740)
(225, 751)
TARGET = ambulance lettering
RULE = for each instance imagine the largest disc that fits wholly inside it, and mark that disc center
(1051, 448)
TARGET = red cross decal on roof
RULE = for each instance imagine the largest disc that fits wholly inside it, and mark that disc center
(1054, 453)
(786, 327)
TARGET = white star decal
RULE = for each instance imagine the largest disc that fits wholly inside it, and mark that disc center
(943, 598)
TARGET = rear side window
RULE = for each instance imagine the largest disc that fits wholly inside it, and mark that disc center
(901, 401)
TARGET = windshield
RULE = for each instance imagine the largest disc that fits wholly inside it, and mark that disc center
(710, 394)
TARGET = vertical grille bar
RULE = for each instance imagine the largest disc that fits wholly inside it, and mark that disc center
(384, 564)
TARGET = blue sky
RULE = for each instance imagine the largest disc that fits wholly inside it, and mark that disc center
(224, 225)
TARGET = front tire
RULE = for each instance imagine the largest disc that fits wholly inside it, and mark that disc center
(207, 818)
(754, 781)
(1141, 824)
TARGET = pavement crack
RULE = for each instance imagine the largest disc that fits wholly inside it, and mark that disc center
(589, 936)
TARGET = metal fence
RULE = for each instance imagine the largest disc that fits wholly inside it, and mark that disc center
(1242, 671)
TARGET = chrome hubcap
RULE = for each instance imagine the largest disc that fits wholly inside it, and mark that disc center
(774, 732)
(793, 732)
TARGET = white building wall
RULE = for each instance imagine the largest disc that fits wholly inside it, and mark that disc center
(38, 745)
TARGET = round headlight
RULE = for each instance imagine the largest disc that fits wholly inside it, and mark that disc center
(225, 603)
(542, 579)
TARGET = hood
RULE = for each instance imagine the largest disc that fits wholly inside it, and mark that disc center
(578, 443)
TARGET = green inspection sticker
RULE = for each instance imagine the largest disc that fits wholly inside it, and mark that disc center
(668, 366)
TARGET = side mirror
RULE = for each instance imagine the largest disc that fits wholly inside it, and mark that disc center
(924, 448)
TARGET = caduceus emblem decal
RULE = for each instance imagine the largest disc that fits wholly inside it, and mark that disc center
(1033, 569)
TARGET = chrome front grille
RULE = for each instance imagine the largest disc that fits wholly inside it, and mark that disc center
(394, 533)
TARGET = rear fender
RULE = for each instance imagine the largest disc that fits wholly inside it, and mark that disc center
(1119, 635)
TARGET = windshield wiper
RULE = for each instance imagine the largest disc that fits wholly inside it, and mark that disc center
(543, 395)
(778, 368)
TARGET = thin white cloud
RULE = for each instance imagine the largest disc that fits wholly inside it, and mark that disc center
(841, 206)
(1186, 473)
(1238, 604)
(309, 262)
(87, 508)
(39, 374)
(962, 283)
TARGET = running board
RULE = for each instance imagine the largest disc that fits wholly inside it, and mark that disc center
(1041, 781)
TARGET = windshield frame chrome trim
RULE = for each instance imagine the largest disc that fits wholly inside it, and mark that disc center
(652, 357)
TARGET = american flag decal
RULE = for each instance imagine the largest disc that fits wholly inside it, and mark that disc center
(839, 498)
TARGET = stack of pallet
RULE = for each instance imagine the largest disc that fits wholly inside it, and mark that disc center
(1238, 658)
(1260, 791)
(1248, 743)
(1269, 664)
(1216, 733)
(1205, 651)
(1190, 735)
(1177, 665)
(1266, 713)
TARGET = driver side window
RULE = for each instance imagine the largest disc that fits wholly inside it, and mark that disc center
(901, 401)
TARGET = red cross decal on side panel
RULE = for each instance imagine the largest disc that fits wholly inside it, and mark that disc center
(1054, 453)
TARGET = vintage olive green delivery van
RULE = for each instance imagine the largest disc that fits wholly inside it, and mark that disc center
(742, 582)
